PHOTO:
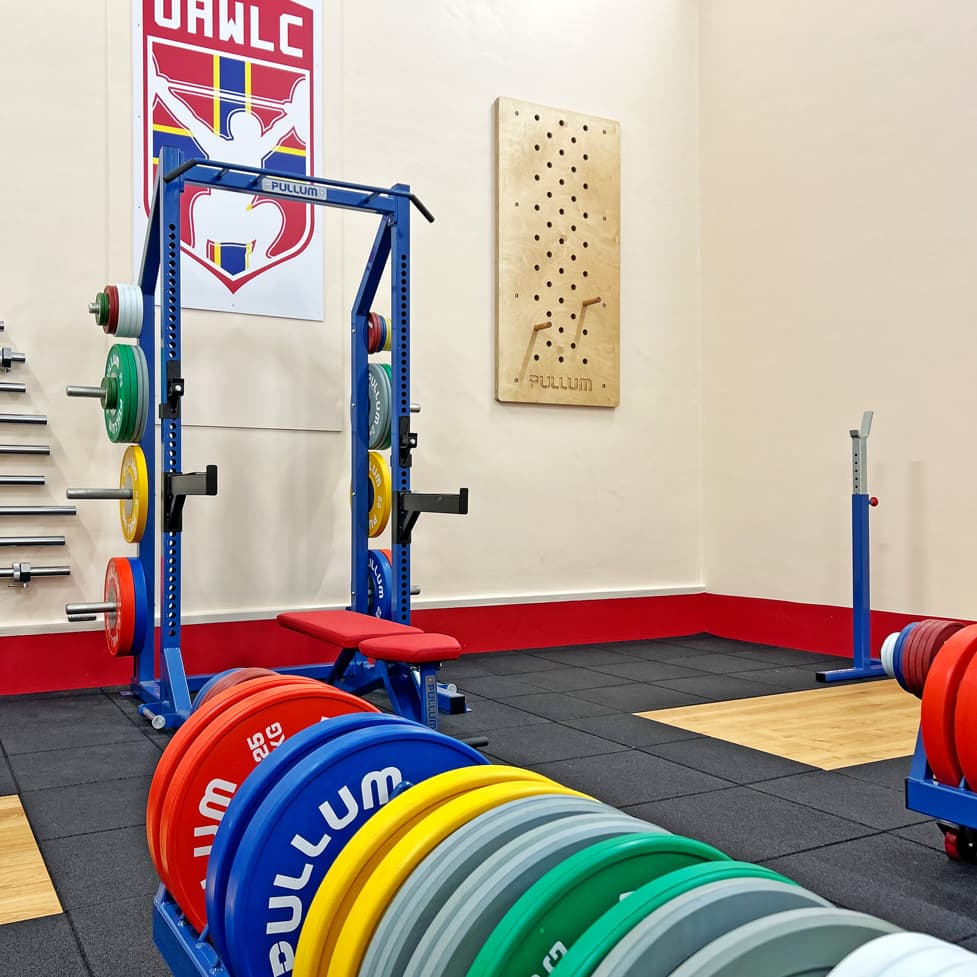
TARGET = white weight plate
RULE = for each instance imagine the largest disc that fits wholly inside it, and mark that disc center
(888, 647)
(452, 941)
(444, 869)
(799, 943)
(873, 959)
(930, 960)
(130, 323)
(968, 969)
(684, 925)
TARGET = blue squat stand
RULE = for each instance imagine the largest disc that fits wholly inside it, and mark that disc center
(863, 664)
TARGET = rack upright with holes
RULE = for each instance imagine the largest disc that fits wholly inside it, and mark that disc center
(166, 695)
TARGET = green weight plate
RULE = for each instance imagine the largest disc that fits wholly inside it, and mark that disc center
(586, 955)
(684, 925)
(142, 389)
(798, 943)
(102, 309)
(567, 900)
(429, 886)
(116, 370)
(476, 907)
(127, 393)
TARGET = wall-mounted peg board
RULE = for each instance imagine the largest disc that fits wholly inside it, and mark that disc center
(559, 241)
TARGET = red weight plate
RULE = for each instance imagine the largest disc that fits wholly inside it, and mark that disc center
(965, 724)
(237, 677)
(939, 704)
(120, 589)
(923, 636)
(373, 333)
(215, 765)
(112, 291)
(941, 633)
(907, 656)
(182, 741)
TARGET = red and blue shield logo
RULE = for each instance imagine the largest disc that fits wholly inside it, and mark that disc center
(235, 82)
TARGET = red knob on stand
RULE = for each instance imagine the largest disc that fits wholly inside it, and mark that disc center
(873, 501)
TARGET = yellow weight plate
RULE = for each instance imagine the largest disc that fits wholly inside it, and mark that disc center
(354, 867)
(379, 473)
(134, 476)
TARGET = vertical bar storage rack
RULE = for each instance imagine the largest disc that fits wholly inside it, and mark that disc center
(165, 696)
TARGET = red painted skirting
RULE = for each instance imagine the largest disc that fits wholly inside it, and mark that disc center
(51, 662)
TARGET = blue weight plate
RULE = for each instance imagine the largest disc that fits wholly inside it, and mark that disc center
(380, 576)
(302, 825)
(897, 652)
(249, 796)
(142, 605)
(209, 684)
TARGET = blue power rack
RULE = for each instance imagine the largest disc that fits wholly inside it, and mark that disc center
(166, 696)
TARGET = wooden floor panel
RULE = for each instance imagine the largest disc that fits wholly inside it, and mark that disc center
(25, 886)
(831, 727)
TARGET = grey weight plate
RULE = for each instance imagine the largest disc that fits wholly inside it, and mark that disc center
(684, 925)
(798, 943)
(930, 960)
(453, 940)
(378, 394)
(388, 394)
(874, 958)
(443, 870)
(142, 370)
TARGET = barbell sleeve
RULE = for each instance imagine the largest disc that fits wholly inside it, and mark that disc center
(11, 572)
(38, 510)
(23, 418)
(31, 540)
(7, 387)
(22, 479)
(89, 494)
(25, 449)
(91, 607)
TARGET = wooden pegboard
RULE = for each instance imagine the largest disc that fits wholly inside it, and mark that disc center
(559, 234)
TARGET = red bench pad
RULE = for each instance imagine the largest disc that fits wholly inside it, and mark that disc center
(346, 629)
(415, 649)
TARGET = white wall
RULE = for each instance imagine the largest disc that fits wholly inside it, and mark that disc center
(839, 237)
(563, 501)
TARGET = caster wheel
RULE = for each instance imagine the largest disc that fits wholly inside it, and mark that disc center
(960, 844)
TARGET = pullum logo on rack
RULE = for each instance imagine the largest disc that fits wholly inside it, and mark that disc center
(232, 81)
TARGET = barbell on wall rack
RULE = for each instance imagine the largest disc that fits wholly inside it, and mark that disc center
(31, 540)
(8, 357)
(22, 573)
(38, 510)
(23, 418)
(8, 387)
(25, 449)
(22, 479)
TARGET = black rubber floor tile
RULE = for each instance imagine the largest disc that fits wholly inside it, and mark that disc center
(87, 707)
(886, 773)
(486, 714)
(513, 663)
(128, 705)
(499, 686)
(907, 884)
(970, 943)
(710, 644)
(586, 656)
(728, 760)
(639, 698)
(562, 679)
(724, 664)
(462, 668)
(665, 651)
(7, 785)
(749, 825)
(793, 656)
(648, 671)
(44, 947)
(720, 688)
(88, 868)
(630, 777)
(117, 938)
(786, 678)
(869, 804)
(632, 730)
(560, 706)
(62, 768)
(63, 811)
(38, 737)
(546, 742)
(924, 833)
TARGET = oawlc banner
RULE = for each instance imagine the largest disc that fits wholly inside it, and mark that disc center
(237, 82)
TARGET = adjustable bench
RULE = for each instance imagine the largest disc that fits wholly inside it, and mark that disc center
(375, 653)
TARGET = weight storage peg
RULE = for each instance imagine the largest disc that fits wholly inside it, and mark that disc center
(125, 605)
(22, 573)
(25, 449)
(8, 357)
(132, 494)
(6, 387)
(31, 540)
(118, 310)
(38, 510)
(23, 418)
(123, 392)
(22, 479)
